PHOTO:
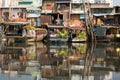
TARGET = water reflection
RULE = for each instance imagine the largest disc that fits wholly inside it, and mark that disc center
(60, 61)
(21, 61)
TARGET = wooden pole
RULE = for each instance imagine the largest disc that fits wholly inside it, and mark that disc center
(10, 9)
(88, 22)
(85, 17)
(70, 10)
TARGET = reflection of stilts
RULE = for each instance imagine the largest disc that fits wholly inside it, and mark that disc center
(91, 38)
(62, 70)
(10, 41)
(3, 28)
(89, 59)
(9, 66)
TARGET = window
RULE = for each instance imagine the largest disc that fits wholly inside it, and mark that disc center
(63, 6)
(117, 10)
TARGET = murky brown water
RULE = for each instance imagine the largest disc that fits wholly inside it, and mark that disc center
(60, 61)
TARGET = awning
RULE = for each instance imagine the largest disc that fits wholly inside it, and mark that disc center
(25, 2)
(63, 1)
(102, 14)
(46, 11)
(33, 8)
(17, 23)
(33, 16)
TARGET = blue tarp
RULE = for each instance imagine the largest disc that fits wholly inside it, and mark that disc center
(103, 14)
(100, 31)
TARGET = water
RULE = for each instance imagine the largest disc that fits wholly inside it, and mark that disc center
(60, 61)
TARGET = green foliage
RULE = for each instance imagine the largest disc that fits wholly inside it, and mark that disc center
(82, 35)
(29, 27)
(62, 52)
(32, 55)
(81, 48)
(62, 33)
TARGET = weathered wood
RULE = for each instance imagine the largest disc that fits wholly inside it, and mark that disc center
(88, 22)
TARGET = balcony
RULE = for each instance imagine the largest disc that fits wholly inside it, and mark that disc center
(100, 5)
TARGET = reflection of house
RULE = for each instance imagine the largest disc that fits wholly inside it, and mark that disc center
(25, 55)
(44, 60)
(1, 59)
(16, 68)
(47, 71)
(106, 59)
(98, 64)
(13, 64)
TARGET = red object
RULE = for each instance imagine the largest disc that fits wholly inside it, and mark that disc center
(48, 7)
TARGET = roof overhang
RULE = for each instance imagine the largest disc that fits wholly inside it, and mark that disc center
(104, 14)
